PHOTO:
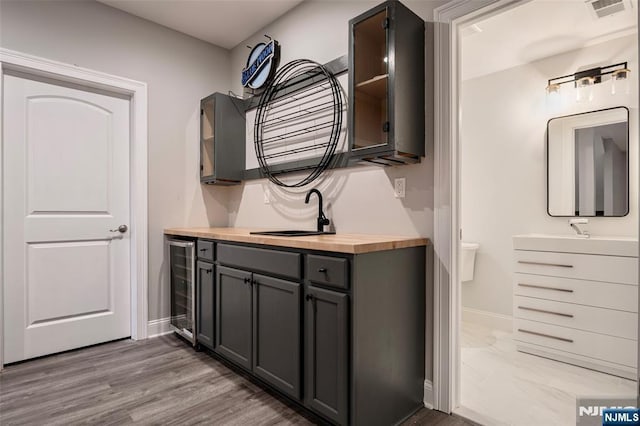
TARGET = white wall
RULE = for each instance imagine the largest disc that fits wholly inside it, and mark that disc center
(178, 69)
(359, 199)
(504, 120)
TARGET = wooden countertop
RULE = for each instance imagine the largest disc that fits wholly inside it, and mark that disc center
(342, 243)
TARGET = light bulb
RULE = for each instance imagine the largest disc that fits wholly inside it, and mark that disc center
(553, 88)
(620, 81)
(584, 89)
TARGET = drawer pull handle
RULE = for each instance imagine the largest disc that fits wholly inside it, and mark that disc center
(565, 290)
(535, 333)
(525, 308)
(203, 249)
(322, 270)
(559, 265)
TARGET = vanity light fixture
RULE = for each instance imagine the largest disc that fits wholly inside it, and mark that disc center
(584, 81)
(620, 79)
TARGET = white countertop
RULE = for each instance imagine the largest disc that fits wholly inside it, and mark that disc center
(597, 244)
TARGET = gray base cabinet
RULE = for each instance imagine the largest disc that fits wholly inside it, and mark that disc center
(326, 346)
(341, 334)
(205, 302)
(233, 315)
(276, 333)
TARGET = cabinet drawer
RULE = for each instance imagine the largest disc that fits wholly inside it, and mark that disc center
(330, 271)
(583, 292)
(587, 318)
(275, 262)
(205, 250)
(616, 269)
(585, 343)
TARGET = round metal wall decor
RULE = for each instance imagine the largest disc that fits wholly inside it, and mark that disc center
(298, 122)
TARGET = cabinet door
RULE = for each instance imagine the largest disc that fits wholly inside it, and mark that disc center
(205, 303)
(326, 348)
(276, 333)
(233, 315)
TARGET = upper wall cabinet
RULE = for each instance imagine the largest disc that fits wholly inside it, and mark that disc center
(387, 85)
(222, 139)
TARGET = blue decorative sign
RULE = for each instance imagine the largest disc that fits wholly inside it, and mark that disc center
(261, 64)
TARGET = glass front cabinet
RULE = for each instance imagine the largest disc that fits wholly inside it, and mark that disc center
(222, 139)
(387, 85)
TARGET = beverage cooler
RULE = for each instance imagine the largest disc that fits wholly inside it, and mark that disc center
(182, 258)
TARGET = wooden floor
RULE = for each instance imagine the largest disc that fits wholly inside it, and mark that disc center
(158, 381)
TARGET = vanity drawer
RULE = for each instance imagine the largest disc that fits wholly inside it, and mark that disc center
(614, 269)
(587, 318)
(585, 343)
(330, 271)
(205, 250)
(276, 262)
(583, 292)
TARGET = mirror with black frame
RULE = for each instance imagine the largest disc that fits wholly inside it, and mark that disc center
(588, 164)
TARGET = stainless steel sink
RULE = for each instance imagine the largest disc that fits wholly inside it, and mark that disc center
(292, 233)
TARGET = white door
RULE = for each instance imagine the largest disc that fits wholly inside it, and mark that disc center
(65, 185)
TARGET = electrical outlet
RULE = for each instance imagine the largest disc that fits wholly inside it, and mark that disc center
(400, 185)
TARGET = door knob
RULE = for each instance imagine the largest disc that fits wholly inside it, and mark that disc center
(121, 229)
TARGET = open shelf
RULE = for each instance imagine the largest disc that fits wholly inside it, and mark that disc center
(376, 86)
(207, 120)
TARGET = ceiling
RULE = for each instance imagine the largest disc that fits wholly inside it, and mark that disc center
(536, 30)
(224, 23)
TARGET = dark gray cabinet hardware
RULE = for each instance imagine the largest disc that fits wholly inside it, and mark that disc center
(276, 334)
(233, 315)
(222, 139)
(386, 97)
(205, 304)
(309, 297)
(328, 271)
(326, 348)
(205, 250)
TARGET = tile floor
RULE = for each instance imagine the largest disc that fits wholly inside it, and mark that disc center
(505, 386)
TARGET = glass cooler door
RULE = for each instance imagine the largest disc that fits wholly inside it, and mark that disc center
(182, 288)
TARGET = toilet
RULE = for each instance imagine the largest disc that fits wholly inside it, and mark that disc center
(468, 260)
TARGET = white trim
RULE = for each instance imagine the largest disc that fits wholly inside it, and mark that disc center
(428, 394)
(446, 192)
(12, 60)
(478, 418)
(159, 327)
(489, 319)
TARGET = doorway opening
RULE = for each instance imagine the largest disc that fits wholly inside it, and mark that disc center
(547, 315)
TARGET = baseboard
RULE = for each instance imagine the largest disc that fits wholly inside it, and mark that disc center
(159, 327)
(428, 394)
(476, 418)
(489, 319)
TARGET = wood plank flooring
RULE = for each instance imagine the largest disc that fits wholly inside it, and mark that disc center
(160, 381)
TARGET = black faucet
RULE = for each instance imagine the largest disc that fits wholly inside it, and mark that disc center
(322, 219)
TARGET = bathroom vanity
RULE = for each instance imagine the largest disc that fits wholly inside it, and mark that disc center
(335, 323)
(576, 300)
